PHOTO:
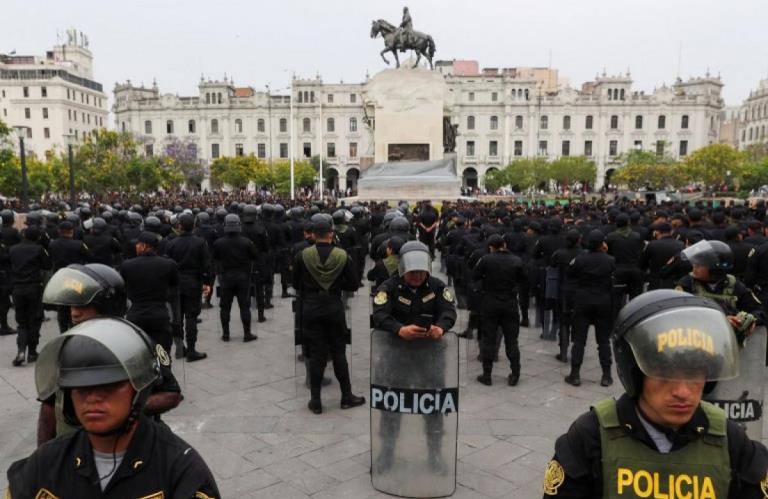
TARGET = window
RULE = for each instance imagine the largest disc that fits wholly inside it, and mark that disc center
(494, 96)
(306, 125)
(743, 135)
(87, 99)
(588, 122)
(750, 134)
(307, 149)
(260, 125)
(470, 148)
(26, 91)
(43, 91)
(622, 94)
(353, 149)
(471, 97)
(638, 122)
(74, 116)
(662, 122)
(219, 97)
(352, 98)
(493, 148)
(566, 149)
(214, 151)
(684, 122)
(283, 150)
(47, 133)
(518, 148)
(207, 98)
(470, 122)
(169, 127)
(544, 122)
(683, 148)
(238, 126)
(148, 127)
(330, 125)
(149, 150)
(299, 99)
(77, 131)
(330, 98)
(261, 150)
(283, 125)
(614, 122)
(494, 122)
(214, 126)
(613, 148)
(519, 122)
(638, 145)
(588, 148)
(330, 150)
(660, 148)
(352, 124)
(45, 113)
(312, 96)
(239, 150)
(542, 148)
(191, 126)
(89, 118)
(68, 96)
(27, 113)
(566, 122)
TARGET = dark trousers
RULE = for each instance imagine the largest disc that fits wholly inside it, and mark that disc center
(632, 277)
(157, 329)
(28, 302)
(64, 318)
(428, 238)
(230, 289)
(190, 301)
(601, 316)
(324, 329)
(500, 313)
(5, 305)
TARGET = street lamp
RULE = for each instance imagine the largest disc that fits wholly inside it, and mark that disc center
(22, 130)
(70, 139)
(292, 131)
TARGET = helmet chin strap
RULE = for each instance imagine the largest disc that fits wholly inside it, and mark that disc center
(133, 416)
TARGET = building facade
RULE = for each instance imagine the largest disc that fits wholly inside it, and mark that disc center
(502, 115)
(54, 97)
(753, 117)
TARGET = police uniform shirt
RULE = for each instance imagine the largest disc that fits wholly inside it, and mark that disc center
(396, 304)
(28, 259)
(148, 279)
(66, 251)
(103, 247)
(157, 465)
(191, 254)
(593, 275)
(234, 253)
(500, 273)
(576, 468)
(745, 299)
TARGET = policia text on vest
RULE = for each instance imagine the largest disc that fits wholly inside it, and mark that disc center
(415, 401)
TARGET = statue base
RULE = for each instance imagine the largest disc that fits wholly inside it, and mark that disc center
(410, 180)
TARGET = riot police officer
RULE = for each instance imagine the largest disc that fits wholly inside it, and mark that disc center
(106, 369)
(257, 233)
(64, 251)
(9, 236)
(104, 247)
(657, 253)
(659, 439)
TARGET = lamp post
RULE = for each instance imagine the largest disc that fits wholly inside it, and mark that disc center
(320, 151)
(21, 130)
(293, 146)
(70, 139)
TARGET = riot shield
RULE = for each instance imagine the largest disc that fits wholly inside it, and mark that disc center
(742, 398)
(414, 414)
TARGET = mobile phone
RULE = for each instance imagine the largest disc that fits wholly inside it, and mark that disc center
(424, 321)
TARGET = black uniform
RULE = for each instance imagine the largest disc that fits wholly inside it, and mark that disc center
(151, 281)
(156, 463)
(567, 290)
(655, 256)
(260, 238)
(234, 256)
(426, 218)
(9, 236)
(104, 248)
(67, 251)
(28, 261)
(626, 246)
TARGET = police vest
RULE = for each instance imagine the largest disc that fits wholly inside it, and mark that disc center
(726, 297)
(700, 470)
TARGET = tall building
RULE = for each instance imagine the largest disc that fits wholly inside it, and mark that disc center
(502, 114)
(53, 96)
(753, 116)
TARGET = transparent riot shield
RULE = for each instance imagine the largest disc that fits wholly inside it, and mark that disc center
(742, 398)
(414, 414)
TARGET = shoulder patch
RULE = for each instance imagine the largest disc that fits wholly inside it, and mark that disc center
(554, 476)
(162, 355)
(448, 294)
(764, 486)
(44, 494)
(203, 495)
(380, 298)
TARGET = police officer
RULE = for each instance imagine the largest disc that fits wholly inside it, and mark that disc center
(626, 247)
(567, 289)
(593, 274)
(659, 439)
(191, 254)
(89, 291)
(205, 230)
(104, 247)
(64, 251)
(427, 222)
(414, 306)
(321, 273)
(386, 267)
(151, 282)
(234, 256)
(657, 254)
(257, 233)
(500, 273)
(9, 236)
(28, 260)
(106, 369)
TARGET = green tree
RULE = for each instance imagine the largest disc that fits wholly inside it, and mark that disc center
(303, 175)
(235, 172)
(711, 165)
(528, 172)
(496, 179)
(568, 170)
(754, 175)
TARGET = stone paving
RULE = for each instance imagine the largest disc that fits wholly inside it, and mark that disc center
(245, 412)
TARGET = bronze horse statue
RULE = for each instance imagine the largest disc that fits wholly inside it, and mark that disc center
(422, 44)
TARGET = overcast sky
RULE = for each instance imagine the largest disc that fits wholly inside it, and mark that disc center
(257, 41)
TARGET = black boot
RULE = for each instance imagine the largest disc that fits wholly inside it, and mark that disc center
(178, 344)
(261, 317)
(485, 378)
(606, 380)
(225, 333)
(351, 400)
(574, 378)
(247, 336)
(19, 360)
(192, 353)
(31, 354)
(513, 379)
(315, 406)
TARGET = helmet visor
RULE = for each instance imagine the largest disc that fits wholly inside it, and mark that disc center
(71, 287)
(701, 253)
(414, 261)
(686, 344)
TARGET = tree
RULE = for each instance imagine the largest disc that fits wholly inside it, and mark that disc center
(568, 170)
(495, 179)
(181, 163)
(754, 175)
(236, 172)
(526, 173)
(711, 165)
(303, 175)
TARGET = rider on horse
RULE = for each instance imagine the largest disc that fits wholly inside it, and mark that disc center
(405, 30)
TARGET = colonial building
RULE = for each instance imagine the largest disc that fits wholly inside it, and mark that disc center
(502, 114)
(53, 96)
(753, 118)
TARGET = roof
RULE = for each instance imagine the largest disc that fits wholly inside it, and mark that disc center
(244, 92)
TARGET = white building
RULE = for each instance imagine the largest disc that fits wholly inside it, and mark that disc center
(753, 118)
(54, 96)
(503, 114)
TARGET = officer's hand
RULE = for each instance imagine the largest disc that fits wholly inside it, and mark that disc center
(435, 332)
(735, 322)
(206, 291)
(412, 332)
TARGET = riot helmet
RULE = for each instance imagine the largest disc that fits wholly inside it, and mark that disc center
(713, 254)
(153, 224)
(673, 335)
(220, 214)
(134, 219)
(279, 210)
(186, 221)
(232, 224)
(399, 224)
(339, 217)
(8, 217)
(414, 256)
(203, 218)
(98, 226)
(93, 284)
(250, 213)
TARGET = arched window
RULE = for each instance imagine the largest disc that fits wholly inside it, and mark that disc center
(352, 124)
(566, 122)
(520, 93)
(214, 126)
(260, 125)
(615, 94)
(283, 125)
(762, 132)
(639, 122)
(519, 121)
(610, 94)
(662, 122)
(527, 94)
(300, 99)
(494, 122)
(544, 122)
(306, 125)
(207, 97)
(614, 122)
(330, 125)
(750, 134)
(470, 122)
(238, 126)
(191, 126)
(589, 122)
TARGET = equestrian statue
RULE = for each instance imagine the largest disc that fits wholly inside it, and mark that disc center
(404, 38)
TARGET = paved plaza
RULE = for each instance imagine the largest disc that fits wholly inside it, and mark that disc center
(245, 412)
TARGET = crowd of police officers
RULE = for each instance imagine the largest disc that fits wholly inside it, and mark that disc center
(572, 266)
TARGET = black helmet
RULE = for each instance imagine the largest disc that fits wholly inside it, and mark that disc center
(153, 224)
(107, 216)
(279, 210)
(339, 217)
(267, 210)
(357, 211)
(178, 209)
(232, 223)
(321, 222)
(203, 218)
(673, 335)
(186, 221)
(234, 207)
(713, 254)
(134, 219)
(93, 284)
(98, 226)
(250, 213)
(296, 212)
(7, 216)
(399, 224)
(34, 218)
(220, 214)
